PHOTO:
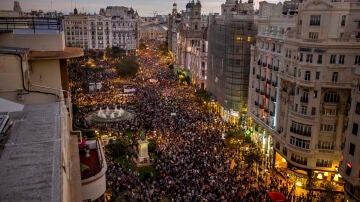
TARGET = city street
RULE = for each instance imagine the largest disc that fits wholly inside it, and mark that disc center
(191, 160)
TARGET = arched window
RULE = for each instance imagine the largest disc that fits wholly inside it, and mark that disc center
(331, 97)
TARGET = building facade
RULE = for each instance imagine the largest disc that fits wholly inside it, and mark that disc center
(300, 86)
(125, 28)
(115, 26)
(266, 59)
(230, 36)
(39, 156)
(350, 166)
(191, 44)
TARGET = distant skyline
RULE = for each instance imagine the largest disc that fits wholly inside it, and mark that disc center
(144, 7)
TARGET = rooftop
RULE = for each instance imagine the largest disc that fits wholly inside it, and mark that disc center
(31, 161)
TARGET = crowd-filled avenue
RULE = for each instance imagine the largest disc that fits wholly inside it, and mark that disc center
(191, 160)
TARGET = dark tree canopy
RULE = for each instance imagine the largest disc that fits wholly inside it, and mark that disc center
(127, 67)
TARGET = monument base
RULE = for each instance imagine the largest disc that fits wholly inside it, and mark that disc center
(142, 162)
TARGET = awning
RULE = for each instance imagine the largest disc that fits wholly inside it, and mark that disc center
(276, 196)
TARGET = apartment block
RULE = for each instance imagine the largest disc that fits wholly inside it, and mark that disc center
(301, 84)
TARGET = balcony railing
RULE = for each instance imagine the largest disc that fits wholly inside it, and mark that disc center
(270, 66)
(300, 132)
(272, 113)
(259, 62)
(257, 90)
(276, 68)
(95, 167)
(273, 99)
(256, 103)
(263, 78)
(264, 64)
(268, 81)
(30, 23)
(275, 84)
(258, 76)
(262, 92)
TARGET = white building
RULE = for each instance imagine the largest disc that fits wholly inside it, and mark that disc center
(125, 27)
(116, 26)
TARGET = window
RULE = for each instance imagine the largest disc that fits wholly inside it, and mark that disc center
(319, 61)
(329, 112)
(341, 59)
(315, 20)
(327, 128)
(332, 59)
(301, 57)
(303, 110)
(352, 149)
(313, 35)
(309, 58)
(317, 76)
(343, 20)
(305, 97)
(299, 159)
(315, 93)
(301, 129)
(357, 60)
(334, 78)
(355, 129)
(305, 144)
(357, 109)
(326, 145)
(331, 97)
(323, 163)
(313, 111)
(307, 76)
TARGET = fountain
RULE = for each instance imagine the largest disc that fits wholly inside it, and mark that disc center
(112, 115)
(109, 115)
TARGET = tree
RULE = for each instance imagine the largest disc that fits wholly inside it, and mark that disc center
(328, 194)
(127, 67)
(117, 52)
(120, 148)
(252, 156)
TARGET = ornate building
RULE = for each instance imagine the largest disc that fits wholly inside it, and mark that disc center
(124, 27)
(301, 87)
(116, 26)
(191, 53)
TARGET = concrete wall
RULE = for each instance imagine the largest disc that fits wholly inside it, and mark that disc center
(45, 73)
(36, 42)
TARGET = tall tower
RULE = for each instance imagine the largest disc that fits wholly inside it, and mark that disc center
(17, 7)
(174, 10)
(195, 16)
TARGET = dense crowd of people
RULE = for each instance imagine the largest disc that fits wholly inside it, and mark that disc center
(193, 161)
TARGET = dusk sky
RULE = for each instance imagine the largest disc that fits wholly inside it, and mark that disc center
(144, 7)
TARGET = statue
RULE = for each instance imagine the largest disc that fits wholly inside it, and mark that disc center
(143, 158)
(142, 135)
